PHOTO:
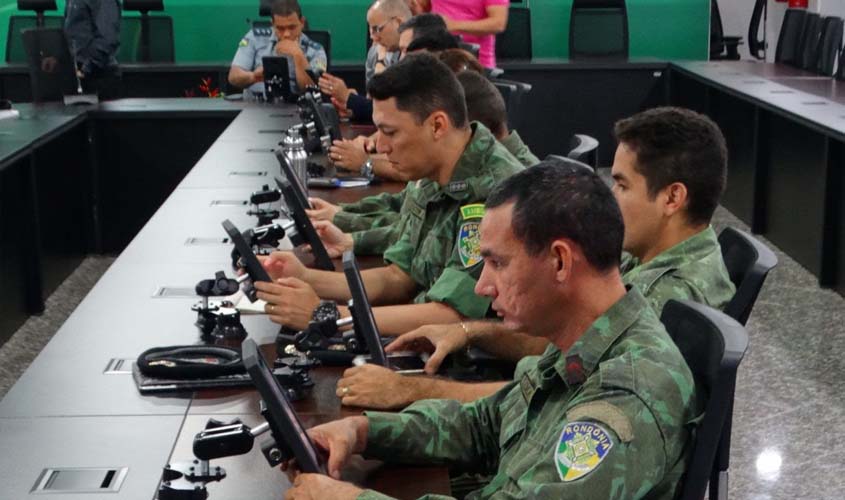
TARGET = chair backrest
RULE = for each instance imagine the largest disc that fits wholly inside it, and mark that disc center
(713, 346)
(515, 41)
(748, 262)
(717, 42)
(472, 48)
(584, 149)
(598, 29)
(52, 74)
(515, 95)
(15, 52)
(324, 38)
(159, 38)
(789, 39)
(809, 50)
(569, 161)
(829, 44)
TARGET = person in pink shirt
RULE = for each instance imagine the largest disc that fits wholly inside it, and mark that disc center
(477, 21)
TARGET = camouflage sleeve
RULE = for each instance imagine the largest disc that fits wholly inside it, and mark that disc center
(440, 432)
(670, 286)
(456, 287)
(374, 495)
(382, 202)
(374, 241)
(611, 448)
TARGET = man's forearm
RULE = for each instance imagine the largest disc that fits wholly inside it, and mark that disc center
(495, 22)
(240, 78)
(438, 388)
(384, 169)
(302, 78)
(393, 321)
(500, 341)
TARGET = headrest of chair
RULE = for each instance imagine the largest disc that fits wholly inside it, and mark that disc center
(568, 161)
(143, 5)
(37, 5)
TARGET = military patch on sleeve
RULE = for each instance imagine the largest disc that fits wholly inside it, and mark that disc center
(243, 43)
(581, 448)
(469, 239)
(474, 211)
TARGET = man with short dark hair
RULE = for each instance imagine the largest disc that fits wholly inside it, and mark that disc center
(302, 53)
(606, 412)
(674, 254)
(369, 226)
(421, 116)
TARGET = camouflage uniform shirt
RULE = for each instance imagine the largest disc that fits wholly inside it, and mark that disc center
(371, 219)
(610, 418)
(252, 48)
(691, 270)
(513, 142)
(438, 246)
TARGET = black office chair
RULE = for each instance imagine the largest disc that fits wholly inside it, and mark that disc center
(15, 52)
(515, 94)
(789, 39)
(324, 38)
(472, 48)
(713, 346)
(598, 29)
(585, 149)
(515, 41)
(721, 47)
(146, 38)
(756, 31)
(829, 43)
(808, 50)
(748, 262)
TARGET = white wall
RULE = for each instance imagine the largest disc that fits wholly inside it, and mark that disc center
(736, 15)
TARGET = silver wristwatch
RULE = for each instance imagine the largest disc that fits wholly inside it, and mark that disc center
(367, 169)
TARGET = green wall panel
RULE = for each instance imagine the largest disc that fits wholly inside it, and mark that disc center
(209, 30)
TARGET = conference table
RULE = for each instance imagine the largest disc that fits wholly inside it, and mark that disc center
(74, 423)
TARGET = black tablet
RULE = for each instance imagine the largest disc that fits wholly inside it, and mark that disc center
(290, 175)
(276, 77)
(248, 259)
(285, 426)
(325, 117)
(365, 323)
(305, 232)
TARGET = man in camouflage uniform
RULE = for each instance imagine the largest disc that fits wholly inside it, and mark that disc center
(421, 116)
(669, 172)
(369, 224)
(287, 40)
(607, 411)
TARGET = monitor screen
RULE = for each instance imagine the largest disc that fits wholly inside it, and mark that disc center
(276, 77)
(362, 313)
(306, 234)
(284, 424)
(290, 175)
(248, 259)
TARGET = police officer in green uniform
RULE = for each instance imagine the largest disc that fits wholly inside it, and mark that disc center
(420, 113)
(608, 410)
(669, 172)
(369, 223)
(287, 40)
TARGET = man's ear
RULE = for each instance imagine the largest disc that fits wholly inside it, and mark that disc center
(439, 123)
(562, 256)
(675, 198)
